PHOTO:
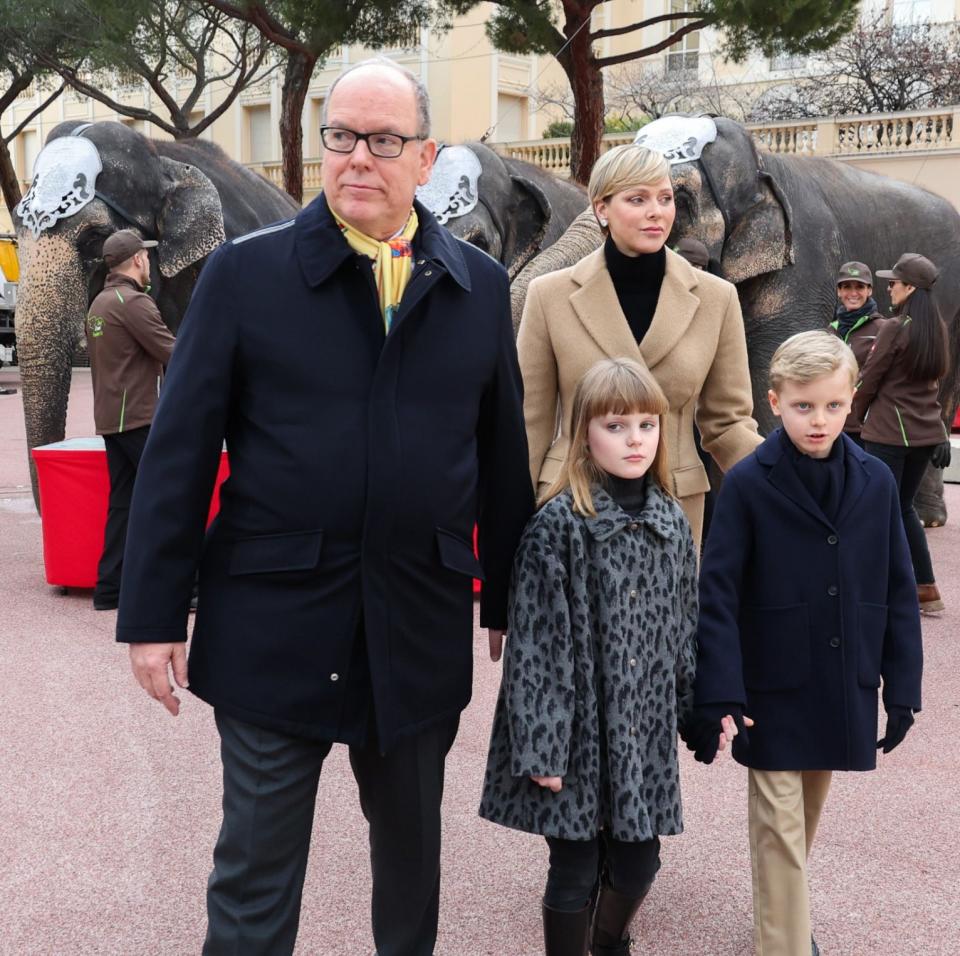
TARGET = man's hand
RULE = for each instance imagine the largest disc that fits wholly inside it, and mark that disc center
(150, 664)
(550, 783)
(495, 637)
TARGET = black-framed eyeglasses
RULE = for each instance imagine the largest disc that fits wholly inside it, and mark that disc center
(383, 145)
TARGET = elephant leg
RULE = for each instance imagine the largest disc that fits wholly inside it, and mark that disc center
(929, 500)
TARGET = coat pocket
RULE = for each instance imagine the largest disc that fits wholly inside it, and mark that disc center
(691, 480)
(776, 647)
(871, 628)
(456, 554)
(549, 470)
(276, 554)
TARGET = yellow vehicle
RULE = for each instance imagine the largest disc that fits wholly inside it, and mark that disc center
(9, 277)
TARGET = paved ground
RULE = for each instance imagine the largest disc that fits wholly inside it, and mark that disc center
(109, 807)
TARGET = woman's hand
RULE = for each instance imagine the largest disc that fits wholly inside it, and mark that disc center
(551, 783)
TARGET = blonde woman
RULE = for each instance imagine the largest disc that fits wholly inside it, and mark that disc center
(634, 297)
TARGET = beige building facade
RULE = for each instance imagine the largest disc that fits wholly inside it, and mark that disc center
(476, 92)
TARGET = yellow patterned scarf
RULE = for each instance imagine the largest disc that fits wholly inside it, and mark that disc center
(392, 262)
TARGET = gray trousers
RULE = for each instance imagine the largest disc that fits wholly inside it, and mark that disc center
(269, 791)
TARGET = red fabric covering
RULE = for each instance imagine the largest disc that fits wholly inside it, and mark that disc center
(74, 488)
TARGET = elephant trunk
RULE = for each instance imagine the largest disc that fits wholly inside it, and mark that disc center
(51, 307)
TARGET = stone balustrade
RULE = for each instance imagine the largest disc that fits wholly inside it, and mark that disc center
(847, 136)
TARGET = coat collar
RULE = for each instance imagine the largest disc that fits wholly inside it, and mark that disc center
(598, 308)
(785, 478)
(321, 248)
(657, 515)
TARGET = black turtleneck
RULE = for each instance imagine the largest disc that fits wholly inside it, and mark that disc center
(629, 493)
(637, 280)
(822, 477)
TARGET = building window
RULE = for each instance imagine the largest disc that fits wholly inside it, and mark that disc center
(685, 53)
(30, 144)
(906, 12)
(260, 130)
(787, 61)
(511, 118)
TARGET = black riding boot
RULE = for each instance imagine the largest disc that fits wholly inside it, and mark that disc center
(566, 933)
(612, 921)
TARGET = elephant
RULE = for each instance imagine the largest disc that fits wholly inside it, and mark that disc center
(92, 179)
(780, 227)
(508, 208)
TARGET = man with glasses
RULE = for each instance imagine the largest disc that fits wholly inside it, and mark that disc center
(370, 422)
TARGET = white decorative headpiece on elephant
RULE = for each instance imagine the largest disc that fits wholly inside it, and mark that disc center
(506, 207)
(780, 226)
(91, 179)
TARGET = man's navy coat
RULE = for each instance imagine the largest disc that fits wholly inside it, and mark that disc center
(802, 618)
(359, 465)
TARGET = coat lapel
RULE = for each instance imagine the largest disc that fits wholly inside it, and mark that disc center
(784, 477)
(855, 478)
(676, 307)
(598, 308)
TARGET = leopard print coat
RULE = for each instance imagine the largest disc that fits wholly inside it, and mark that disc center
(600, 657)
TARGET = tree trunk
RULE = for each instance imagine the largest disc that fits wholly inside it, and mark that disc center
(296, 81)
(9, 184)
(586, 81)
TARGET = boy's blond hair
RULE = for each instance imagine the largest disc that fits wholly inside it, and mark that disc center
(807, 356)
(617, 386)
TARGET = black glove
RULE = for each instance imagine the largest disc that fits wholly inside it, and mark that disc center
(899, 721)
(701, 732)
(941, 455)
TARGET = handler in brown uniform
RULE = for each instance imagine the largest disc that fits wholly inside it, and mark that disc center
(129, 345)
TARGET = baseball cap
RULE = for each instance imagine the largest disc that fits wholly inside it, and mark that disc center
(855, 272)
(694, 251)
(914, 269)
(122, 244)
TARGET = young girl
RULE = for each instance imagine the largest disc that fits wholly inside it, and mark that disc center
(599, 665)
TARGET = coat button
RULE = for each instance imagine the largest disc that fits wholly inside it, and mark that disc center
(633, 594)
(334, 677)
(833, 590)
(833, 539)
(634, 526)
(834, 641)
(633, 731)
(633, 662)
(429, 272)
(420, 262)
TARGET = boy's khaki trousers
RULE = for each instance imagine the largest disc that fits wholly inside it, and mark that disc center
(784, 809)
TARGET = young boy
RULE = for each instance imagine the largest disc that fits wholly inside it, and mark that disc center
(807, 604)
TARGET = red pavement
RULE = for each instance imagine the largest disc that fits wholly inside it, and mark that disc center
(109, 807)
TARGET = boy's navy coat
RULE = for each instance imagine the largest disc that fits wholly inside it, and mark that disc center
(359, 465)
(801, 619)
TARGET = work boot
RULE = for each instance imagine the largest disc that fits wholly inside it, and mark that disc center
(565, 933)
(929, 597)
(611, 923)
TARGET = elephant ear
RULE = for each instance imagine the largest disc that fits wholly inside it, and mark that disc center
(530, 219)
(761, 240)
(190, 220)
(756, 214)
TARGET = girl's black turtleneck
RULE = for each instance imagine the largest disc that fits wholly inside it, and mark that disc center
(629, 493)
(637, 280)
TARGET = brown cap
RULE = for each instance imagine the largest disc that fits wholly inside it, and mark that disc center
(855, 272)
(914, 269)
(123, 244)
(694, 251)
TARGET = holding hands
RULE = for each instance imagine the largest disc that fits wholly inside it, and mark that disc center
(711, 727)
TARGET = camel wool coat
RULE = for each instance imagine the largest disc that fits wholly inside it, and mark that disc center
(695, 348)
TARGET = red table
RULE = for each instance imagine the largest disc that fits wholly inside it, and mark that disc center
(74, 488)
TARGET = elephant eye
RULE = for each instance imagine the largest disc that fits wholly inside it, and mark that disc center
(90, 242)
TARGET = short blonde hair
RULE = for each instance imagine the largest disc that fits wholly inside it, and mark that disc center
(807, 356)
(626, 167)
(617, 386)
